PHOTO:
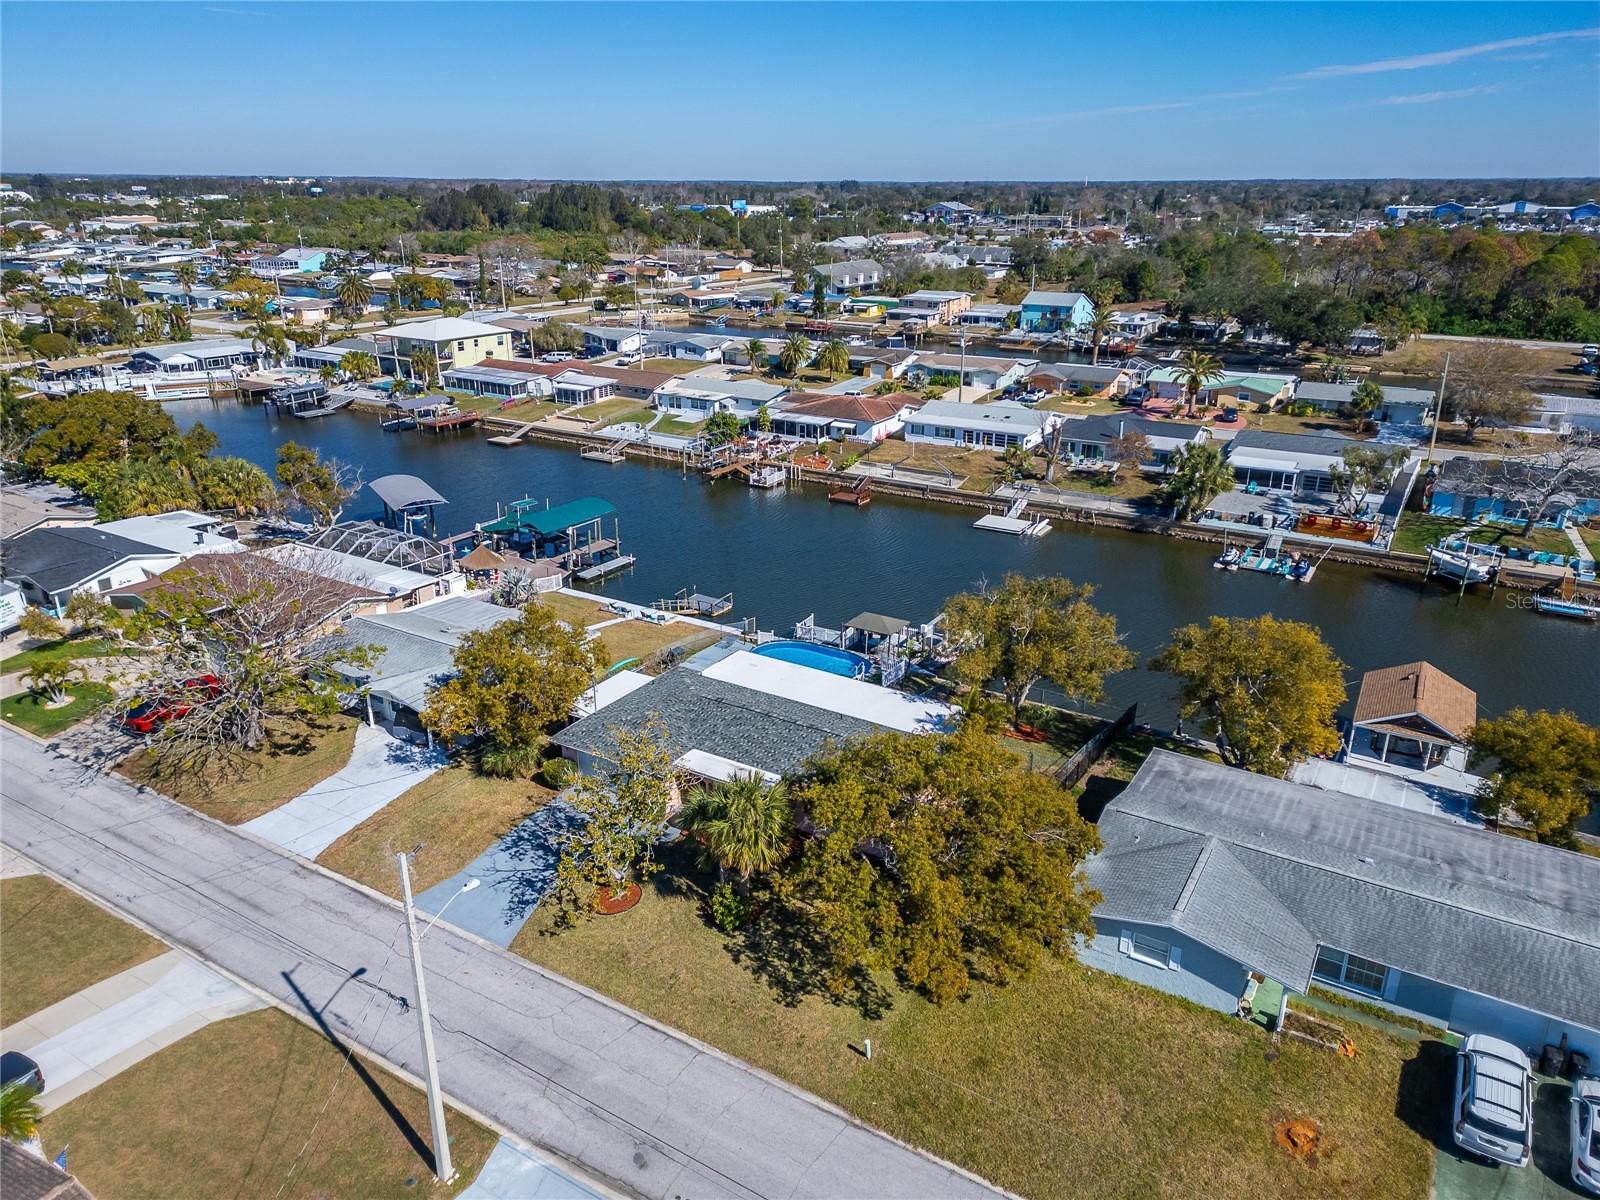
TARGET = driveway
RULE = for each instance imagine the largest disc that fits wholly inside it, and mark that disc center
(86, 1039)
(514, 1172)
(1547, 1177)
(381, 768)
(513, 876)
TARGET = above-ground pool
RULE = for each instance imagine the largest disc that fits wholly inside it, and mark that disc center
(818, 658)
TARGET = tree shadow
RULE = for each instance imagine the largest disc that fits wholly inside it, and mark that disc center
(524, 865)
(1422, 1101)
(401, 1122)
(784, 949)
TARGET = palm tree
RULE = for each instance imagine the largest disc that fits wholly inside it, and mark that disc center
(425, 365)
(178, 322)
(1100, 324)
(835, 357)
(51, 678)
(743, 825)
(353, 293)
(1195, 370)
(1199, 475)
(757, 350)
(360, 365)
(795, 354)
(188, 274)
(268, 339)
(327, 372)
(19, 1113)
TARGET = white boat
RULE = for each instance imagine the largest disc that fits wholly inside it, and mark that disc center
(1576, 609)
(1228, 560)
(1459, 565)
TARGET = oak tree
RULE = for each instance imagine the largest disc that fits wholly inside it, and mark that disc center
(1546, 770)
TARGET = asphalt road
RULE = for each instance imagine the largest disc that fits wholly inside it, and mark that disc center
(631, 1102)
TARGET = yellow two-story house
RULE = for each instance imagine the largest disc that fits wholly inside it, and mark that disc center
(454, 341)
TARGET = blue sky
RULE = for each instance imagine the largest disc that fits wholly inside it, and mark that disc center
(802, 91)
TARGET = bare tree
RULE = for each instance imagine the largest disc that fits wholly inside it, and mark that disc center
(235, 640)
(1129, 449)
(1534, 481)
(1366, 468)
(1488, 385)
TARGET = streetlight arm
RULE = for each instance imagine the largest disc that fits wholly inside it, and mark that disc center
(466, 887)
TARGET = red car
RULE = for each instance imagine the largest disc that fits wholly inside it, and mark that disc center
(144, 717)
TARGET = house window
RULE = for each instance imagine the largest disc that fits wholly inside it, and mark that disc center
(1351, 971)
(1141, 947)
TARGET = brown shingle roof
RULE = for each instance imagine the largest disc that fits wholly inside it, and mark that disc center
(871, 409)
(26, 1176)
(1419, 689)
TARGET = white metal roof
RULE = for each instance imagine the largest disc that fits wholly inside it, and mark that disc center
(440, 329)
(850, 697)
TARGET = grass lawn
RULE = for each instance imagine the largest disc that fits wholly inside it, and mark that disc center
(1591, 539)
(298, 754)
(575, 610)
(980, 467)
(640, 639)
(1323, 423)
(28, 711)
(258, 1106)
(678, 428)
(1417, 531)
(527, 410)
(64, 649)
(1081, 406)
(1071, 1083)
(454, 815)
(54, 943)
(672, 366)
(1125, 484)
(615, 411)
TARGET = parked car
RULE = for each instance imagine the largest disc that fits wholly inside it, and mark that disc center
(632, 358)
(1494, 1100)
(1230, 414)
(556, 356)
(1586, 1134)
(145, 716)
(19, 1068)
(1589, 351)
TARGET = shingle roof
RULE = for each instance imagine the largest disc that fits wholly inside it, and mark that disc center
(1418, 688)
(26, 1176)
(56, 558)
(769, 733)
(1330, 444)
(871, 409)
(1500, 916)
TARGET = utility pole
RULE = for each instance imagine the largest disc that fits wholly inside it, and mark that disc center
(442, 1166)
(1438, 407)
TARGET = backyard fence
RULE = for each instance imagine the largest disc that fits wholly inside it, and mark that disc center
(1085, 756)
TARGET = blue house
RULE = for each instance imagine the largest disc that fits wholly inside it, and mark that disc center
(1050, 311)
(1214, 880)
(1478, 489)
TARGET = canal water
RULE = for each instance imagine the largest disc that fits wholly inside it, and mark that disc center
(788, 553)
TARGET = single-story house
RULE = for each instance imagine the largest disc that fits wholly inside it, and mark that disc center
(850, 275)
(413, 651)
(976, 370)
(1286, 462)
(486, 380)
(454, 341)
(292, 260)
(1210, 874)
(314, 358)
(693, 396)
(817, 416)
(1233, 387)
(25, 506)
(52, 564)
(934, 305)
(308, 310)
(1083, 379)
(184, 358)
(868, 306)
(1055, 310)
(1087, 439)
(578, 387)
(1402, 405)
(631, 382)
(611, 339)
(1414, 716)
(1001, 424)
(405, 567)
(1137, 324)
(318, 601)
(696, 347)
(1484, 489)
(881, 362)
(989, 316)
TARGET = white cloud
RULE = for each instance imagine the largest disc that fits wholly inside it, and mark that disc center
(1442, 58)
(1435, 97)
(1123, 110)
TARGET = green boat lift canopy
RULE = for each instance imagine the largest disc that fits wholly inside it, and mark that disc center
(548, 522)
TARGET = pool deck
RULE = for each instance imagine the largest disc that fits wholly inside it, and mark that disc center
(823, 689)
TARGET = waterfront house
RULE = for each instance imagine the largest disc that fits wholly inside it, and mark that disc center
(1412, 716)
(818, 416)
(1260, 388)
(454, 341)
(194, 358)
(997, 425)
(692, 396)
(940, 307)
(1210, 874)
(611, 339)
(989, 316)
(851, 275)
(1486, 489)
(576, 387)
(406, 567)
(1049, 311)
(695, 347)
(484, 379)
(975, 370)
(1087, 440)
(1083, 379)
(1401, 405)
(292, 260)
(1135, 325)
(1286, 462)
(314, 358)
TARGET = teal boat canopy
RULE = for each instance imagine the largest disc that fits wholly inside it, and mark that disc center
(546, 522)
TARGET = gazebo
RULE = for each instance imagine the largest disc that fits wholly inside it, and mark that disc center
(866, 631)
(1414, 716)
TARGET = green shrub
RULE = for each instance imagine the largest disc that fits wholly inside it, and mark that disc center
(510, 762)
(729, 910)
(559, 773)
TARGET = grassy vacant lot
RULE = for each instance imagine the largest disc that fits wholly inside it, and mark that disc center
(1321, 423)
(980, 467)
(677, 427)
(30, 712)
(298, 754)
(640, 639)
(67, 649)
(1080, 406)
(526, 410)
(1125, 484)
(618, 410)
(1072, 1083)
(1417, 531)
(673, 366)
(575, 610)
(54, 943)
(453, 815)
(258, 1106)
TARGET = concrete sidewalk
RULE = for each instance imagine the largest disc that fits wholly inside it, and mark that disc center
(514, 1172)
(564, 1069)
(381, 768)
(103, 1030)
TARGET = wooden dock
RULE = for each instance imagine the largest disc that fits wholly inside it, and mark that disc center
(696, 604)
(599, 454)
(512, 437)
(858, 494)
(459, 420)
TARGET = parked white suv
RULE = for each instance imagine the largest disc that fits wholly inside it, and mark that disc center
(1586, 1134)
(1494, 1100)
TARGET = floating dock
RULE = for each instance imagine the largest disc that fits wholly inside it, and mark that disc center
(596, 454)
(601, 569)
(512, 437)
(1020, 526)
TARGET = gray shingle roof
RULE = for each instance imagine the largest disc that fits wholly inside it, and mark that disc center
(58, 558)
(1292, 867)
(1331, 444)
(767, 732)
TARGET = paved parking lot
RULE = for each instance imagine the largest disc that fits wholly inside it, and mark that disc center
(1547, 1177)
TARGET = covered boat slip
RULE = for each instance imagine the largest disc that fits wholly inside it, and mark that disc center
(407, 499)
(572, 534)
